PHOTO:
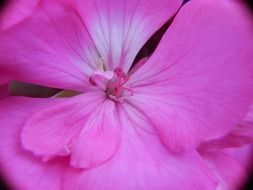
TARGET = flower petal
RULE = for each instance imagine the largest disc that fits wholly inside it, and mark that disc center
(20, 169)
(222, 165)
(62, 56)
(243, 155)
(3, 79)
(248, 120)
(199, 80)
(3, 90)
(120, 28)
(142, 163)
(50, 131)
(99, 140)
(15, 11)
(240, 136)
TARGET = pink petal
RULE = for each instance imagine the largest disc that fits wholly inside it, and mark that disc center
(20, 169)
(199, 80)
(3, 90)
(248, 120)
(240, 136)
(120, 28)
(142, 163)
(15, 11)
(99, 139)
(3, 79)
(243, 155)
(50, 132)
(51, 48)
(230, 173)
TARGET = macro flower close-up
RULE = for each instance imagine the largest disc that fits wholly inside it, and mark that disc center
(145, 95)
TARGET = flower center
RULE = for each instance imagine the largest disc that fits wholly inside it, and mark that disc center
(113, 83)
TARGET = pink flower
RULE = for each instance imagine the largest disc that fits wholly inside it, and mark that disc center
(129, 128)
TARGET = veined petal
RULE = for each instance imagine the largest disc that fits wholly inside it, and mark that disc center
(99, 139)
(199, 81)
(142, 163)
(21, 169)
(50, 132)
(51, 48)
(120, 28)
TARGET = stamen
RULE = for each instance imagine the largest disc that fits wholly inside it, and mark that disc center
(116, 89)
(100, 64)
(113, 83)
